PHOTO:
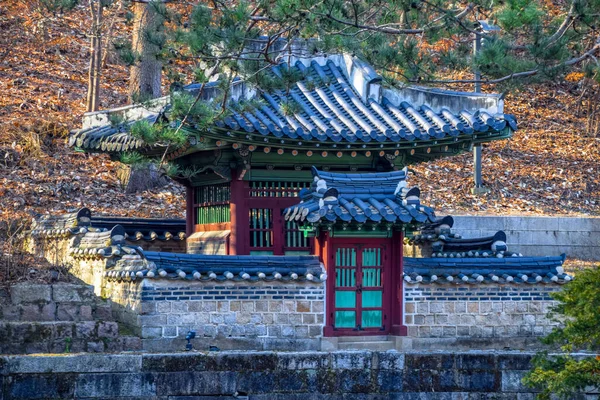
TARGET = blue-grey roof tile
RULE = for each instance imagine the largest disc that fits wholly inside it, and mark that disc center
(329, 110)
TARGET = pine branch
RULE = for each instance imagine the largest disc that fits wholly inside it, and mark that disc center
(562, 29)
(374, 28)
(573, 61)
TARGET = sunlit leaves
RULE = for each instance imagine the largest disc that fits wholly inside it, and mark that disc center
(55, 6)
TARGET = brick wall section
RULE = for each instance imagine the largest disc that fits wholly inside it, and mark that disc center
(241, 309)
(478, 311)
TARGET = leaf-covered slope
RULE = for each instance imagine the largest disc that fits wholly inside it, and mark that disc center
(549, 166)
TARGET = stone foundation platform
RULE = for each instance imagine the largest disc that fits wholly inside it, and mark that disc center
(347, 375)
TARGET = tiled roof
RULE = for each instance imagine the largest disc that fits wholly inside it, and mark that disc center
(112, 138)
(147, 229)
(133, 229)
(330, 110)
(530, 270)
(325, 109)
(217, 267)
(61, 225)
(374, 197)
(442, 242)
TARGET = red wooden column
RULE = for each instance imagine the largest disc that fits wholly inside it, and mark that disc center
(238, 208)
(325, 249)
(397, 285)
(189, 210)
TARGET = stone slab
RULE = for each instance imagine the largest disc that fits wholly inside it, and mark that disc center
(363, 375)
(42, 386)
(72, 293)
(27, 293)
(64, 363)
(106, 385)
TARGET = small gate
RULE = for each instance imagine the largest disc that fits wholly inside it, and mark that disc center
(358, 292)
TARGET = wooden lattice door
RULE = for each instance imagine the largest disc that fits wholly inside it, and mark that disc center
(268, 232)
(359, 298)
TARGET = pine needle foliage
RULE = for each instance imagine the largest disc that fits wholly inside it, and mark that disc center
(158, 134)
(578, 309)
(234, 42)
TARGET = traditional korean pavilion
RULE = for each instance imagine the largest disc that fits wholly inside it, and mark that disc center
(254, 163)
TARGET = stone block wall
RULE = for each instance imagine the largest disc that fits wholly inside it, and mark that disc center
(211, 243)
(232, 314)
(538, 236)
(58, 302)
(356, 375)
(126, 299)
(58, 318)
(169, 246)
(472, 312)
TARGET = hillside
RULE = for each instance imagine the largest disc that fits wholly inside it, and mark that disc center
(549, 167)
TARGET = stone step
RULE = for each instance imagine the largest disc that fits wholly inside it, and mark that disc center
(374, 345)
(378, 338)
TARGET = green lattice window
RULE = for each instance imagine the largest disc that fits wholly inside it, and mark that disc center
(212, 204)
(372, 293)
(345, 288)
(295, 240)
(269, 232)
(276, 188)
(261, 229)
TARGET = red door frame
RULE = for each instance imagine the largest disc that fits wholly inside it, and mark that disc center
(393, 289)
(386, 278)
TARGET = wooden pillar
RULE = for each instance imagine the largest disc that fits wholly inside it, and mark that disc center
(397, 284)
(189, 211)
(238, 241)
(326, 254)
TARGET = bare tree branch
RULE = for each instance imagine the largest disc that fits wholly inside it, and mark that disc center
(562, 29)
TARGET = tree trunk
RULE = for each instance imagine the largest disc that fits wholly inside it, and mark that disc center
(93, 95)
(145, 74)
(108, 35)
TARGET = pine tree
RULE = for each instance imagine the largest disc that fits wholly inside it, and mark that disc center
(147, 41)
(407, 41)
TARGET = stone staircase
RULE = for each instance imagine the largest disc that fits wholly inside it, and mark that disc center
(58, 318)
(373, 343)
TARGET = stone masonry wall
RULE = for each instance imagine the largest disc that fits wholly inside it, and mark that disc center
(357, 375)
(232, 314)
(478, 311)
(169, 246)
(54, 319)
(126, 299)
(538, 236)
